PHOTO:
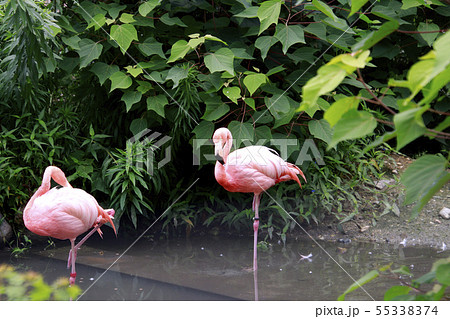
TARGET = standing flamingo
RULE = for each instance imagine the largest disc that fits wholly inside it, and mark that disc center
(64, 213)
(251, 169)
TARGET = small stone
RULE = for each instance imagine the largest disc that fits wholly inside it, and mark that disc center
(445, 213)
(364, 228)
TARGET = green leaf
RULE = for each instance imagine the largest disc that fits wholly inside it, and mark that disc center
(97, 22)
(250, 12)
(324, 8)
(264, 44)
(148, 6)
(423, 178)
(339, 108)
(204, 130)
(268, 13)
(240, 132)
(126, 18)
(120, 80)
(371, 275)
(254, 81)
(103, 71)
(176, 74)
(374, 37)
(428, 35)
(409, 126)
(178, 51)
(321, 129)
(430, 91)
(170, 21)
(89, 51)
(150, 46)
(327, 79)
(221, 60)
(134, 70)
(250, 102)
(317, 29)
(157, 103)
(353, 124)
(232, 92)
(130, 98)
(396, 291)
(356, 5)
(123, 34)
(289, 35)
(443, 274)
(214, 109)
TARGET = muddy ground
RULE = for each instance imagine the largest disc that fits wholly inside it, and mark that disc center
(395, 226)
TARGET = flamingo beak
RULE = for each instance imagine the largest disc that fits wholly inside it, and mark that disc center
(218, 153)
(219, 159)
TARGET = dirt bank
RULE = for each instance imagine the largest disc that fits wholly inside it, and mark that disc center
(428, 229)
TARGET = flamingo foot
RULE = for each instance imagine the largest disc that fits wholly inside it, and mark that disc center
(72, 278)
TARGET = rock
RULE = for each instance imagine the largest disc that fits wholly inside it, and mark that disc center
(5, 231)
(445, 213)
(384, 182)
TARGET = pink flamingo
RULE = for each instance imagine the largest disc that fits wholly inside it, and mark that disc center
(251, 169)
(64, 213)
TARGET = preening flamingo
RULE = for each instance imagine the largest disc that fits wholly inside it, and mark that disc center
(64, 213)
(252, 169)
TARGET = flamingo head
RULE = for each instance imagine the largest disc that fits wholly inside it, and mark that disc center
(222, 142)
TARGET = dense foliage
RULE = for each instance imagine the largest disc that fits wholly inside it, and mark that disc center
(109, 90)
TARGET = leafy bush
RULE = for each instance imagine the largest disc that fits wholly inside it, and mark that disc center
(438, 278)
(30, 286)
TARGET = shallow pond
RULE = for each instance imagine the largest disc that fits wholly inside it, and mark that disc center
(219, 268)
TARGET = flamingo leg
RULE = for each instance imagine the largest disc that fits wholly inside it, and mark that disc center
(255, 207)
(72, 258)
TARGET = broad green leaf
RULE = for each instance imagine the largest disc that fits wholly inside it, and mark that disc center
(441, 48)
(176, 74)
(268, 13)
(114, 9)
(250, 12)
(334, 113)
(123, 34)
(232, 92)
(281, 107)
(240, 132)
(443, 125)
(144, 86)
(339, 24)
(423, 178)
(321, 129)
(409, 126)
(97, 22)
(254, 81)
(120, 80)
(134, 70)
(126, 18)
(215, 109)
(324, 8)
(178, 51)
(72, 42)
(289, 35)
(356, 5)
(221, 60)
(150, 46)
(103, 71)
(263, 133)
(250, 102)
(130, 98)
(89, 51)
(264, 44)
(443, 274)
(204, 130)
(432, 89)
(428, 35)
(353, 124)
(157, 104)
(213, 38)
(327, 79)
(148, 6)
(374, 37)
(418, 76)
(396, 291)
(371, 275)
(318, 29)
(166, 19)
